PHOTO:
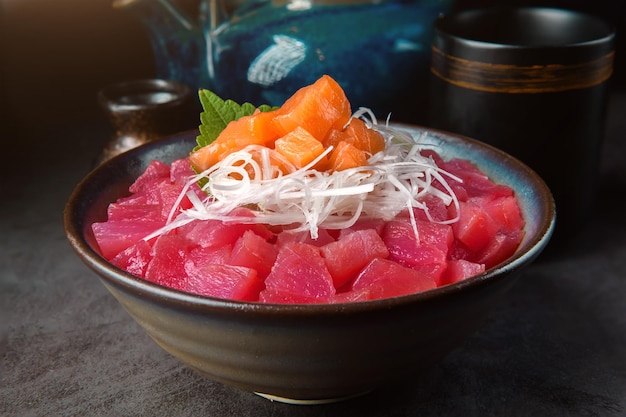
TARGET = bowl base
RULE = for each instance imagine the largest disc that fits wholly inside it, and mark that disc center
(320, 401)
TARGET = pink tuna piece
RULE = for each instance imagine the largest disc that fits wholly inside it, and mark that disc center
(300, 273)
(180, 171)
(506, 213)
(500, 248)
(252, 251)
(475, 227)
(156, 170)
(199, 257)
(225, 281)
(134, 259)
(429, 254)
(383, 278)
(134, 212)
(168, 264)
(115, 236)
(348, 255)
(459, 270)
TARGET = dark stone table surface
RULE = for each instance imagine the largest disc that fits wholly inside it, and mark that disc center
(554, 346)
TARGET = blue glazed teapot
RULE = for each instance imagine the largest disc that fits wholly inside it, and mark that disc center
(262, 51)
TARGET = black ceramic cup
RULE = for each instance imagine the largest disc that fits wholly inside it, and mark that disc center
(532, 82)
(144, 110)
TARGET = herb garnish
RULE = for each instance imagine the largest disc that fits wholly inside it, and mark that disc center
(217, 113)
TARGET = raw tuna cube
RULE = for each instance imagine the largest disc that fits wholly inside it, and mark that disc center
(506, 213)
(435, 270)
(461, 194)
(115, 236)
(134, 212)
(429, 153)
(134, 259)
(154, 192)
(475, 182)
(475, 227)
(168, 264)
(459, 270)
(351, 253)
(458, 250)
(199, 257)
(439, 235)
(260, 229)
(167, 195)
(399, 234)
(225, 281)
(215, 233)
(207, 233)
(428, 255)
(500, 248)
(384, 278)
(252, 251)
(156, 170)
(180, 171)
(300, 272)
(438, 211)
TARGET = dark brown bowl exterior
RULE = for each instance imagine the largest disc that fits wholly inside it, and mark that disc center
(308, 352)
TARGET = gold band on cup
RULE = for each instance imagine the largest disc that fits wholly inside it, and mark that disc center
(516, 79)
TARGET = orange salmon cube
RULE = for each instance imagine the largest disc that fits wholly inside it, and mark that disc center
(358, 134)
(317, 108)
(256, 129)
(299, 147)
(345, 156)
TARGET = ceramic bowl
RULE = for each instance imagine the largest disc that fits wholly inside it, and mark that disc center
(309, 353)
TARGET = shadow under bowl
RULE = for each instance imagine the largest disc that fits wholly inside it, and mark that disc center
(309, 353)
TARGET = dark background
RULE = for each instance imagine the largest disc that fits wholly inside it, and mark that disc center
(55, 55)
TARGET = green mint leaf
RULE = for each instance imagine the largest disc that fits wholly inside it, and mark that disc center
(217, 113)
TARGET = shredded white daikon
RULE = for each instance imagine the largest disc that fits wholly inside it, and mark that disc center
(394, 180)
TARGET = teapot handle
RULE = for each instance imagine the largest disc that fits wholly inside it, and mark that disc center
(217, 11)
(177, 41)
